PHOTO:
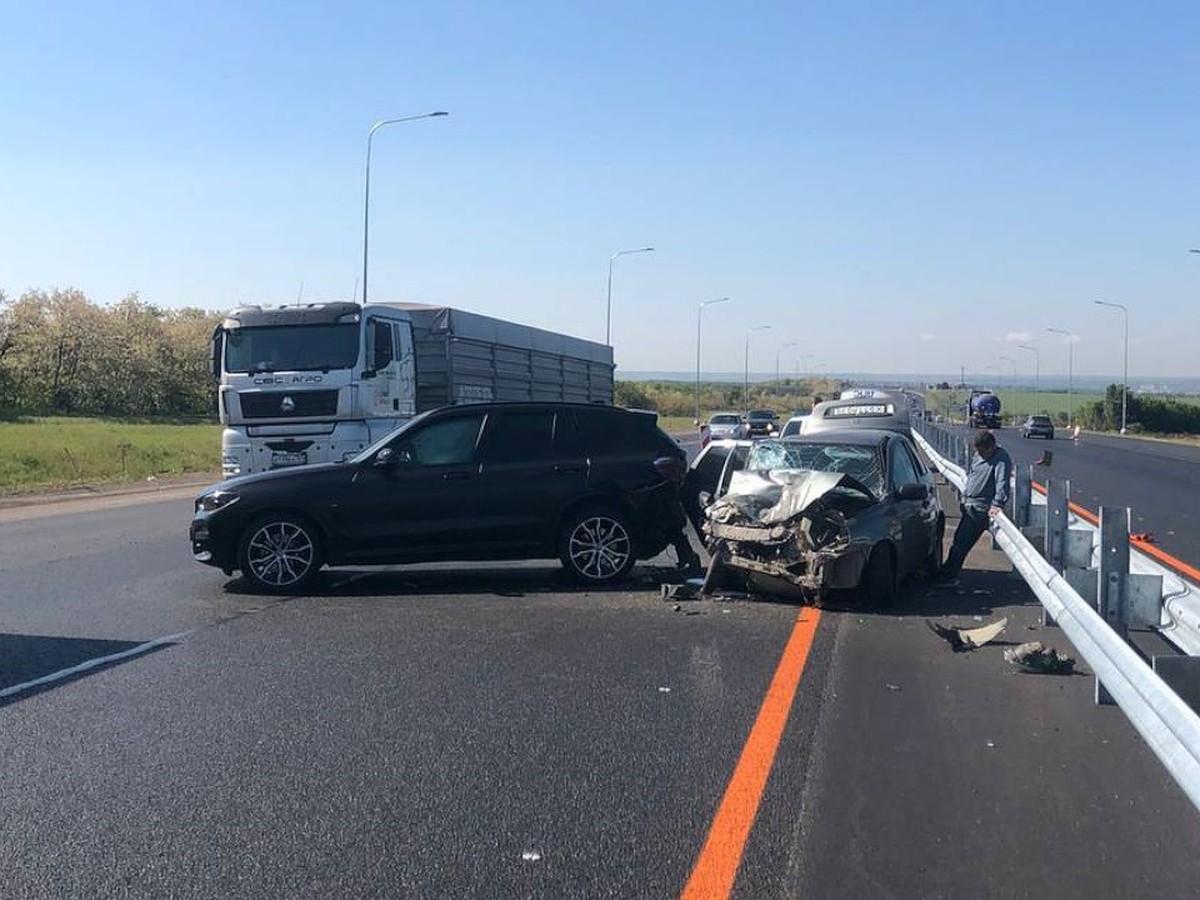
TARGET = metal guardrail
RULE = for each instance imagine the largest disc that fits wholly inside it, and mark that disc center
(1168, 725)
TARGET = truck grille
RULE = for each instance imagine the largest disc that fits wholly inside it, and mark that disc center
(287, 404)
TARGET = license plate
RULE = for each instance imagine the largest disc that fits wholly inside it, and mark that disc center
(288, 458)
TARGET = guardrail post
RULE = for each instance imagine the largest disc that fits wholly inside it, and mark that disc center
(1032, 519)
(1057, 491)
(1110, 585)
(1114, 563)
(1022, 497)
(1056, 533)
(1125, 600)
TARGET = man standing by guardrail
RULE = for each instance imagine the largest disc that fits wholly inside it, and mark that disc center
(984, 497)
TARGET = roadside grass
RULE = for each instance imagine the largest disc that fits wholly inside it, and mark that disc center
(59, 452)
(676, 424)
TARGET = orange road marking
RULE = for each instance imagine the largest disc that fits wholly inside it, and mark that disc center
(716, 868)
(1145, 546)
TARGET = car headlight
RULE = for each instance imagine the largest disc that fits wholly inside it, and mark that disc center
(216, 500)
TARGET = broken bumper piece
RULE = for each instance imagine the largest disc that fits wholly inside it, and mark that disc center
(772, 560)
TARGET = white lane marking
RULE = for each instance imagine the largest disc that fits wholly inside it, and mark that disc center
(93, 663)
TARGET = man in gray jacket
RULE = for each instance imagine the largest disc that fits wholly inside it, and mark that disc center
(984, 498)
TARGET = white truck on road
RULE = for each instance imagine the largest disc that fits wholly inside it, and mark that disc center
(320, 382)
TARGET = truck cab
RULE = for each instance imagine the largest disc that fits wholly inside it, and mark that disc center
(312, 383)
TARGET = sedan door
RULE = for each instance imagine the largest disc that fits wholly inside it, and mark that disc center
(912, 516)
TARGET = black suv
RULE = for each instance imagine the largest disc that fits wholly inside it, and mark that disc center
(596, 486)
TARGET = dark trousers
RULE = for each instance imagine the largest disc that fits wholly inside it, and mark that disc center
(973, 523)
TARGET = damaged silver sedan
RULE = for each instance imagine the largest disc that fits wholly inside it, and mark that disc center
(853, 510)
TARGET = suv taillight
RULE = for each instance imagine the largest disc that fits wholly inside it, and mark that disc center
(671, 468)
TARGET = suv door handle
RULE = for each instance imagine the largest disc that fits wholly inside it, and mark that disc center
(456, 476)
(568, 468)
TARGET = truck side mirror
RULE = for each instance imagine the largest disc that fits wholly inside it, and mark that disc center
(214, 361)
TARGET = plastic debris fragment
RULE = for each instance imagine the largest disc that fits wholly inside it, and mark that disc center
(1038, 659)
(962, 639)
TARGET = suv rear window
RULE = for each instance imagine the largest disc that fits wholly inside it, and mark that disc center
(1040, 420)
(617, 431)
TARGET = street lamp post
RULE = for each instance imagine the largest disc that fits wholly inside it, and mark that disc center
(1125, 375)
(367, 182)
(608, 302)
(746, 375)
(1070, 368)
(1037, 376)
(699, 316)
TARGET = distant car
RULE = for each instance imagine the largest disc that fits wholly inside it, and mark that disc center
(1038, 426)
(595, 486)
(726, 426)
(793, 426)
(798, 517)
(762, 422)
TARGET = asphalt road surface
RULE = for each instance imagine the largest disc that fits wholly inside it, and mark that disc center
(486, 731)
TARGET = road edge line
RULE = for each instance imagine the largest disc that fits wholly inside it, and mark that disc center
(90, 664)
(716, 867)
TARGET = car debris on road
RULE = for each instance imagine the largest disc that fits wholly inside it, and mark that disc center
(964, 639)
(1034, 657)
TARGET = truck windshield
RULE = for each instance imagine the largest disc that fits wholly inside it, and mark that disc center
(291, 348)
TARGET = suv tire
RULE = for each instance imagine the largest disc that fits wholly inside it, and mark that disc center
(596, 546)
(280, 553)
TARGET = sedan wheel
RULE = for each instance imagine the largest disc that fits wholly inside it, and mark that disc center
(279, 553)
(596, 547)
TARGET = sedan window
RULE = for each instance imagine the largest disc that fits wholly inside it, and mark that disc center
(902, 469)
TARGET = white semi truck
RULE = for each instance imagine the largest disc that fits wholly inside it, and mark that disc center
(320, 382)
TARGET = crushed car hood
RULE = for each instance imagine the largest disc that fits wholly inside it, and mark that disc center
(778, 497)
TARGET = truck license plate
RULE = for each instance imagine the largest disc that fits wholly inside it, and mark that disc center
(288, 458)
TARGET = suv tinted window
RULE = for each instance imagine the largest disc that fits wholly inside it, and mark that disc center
(598, 431)
(446, 442)
(518, 436)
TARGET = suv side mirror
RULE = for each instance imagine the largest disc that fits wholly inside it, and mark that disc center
(387, 458)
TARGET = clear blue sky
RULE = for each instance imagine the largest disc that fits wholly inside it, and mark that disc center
(898, 187)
